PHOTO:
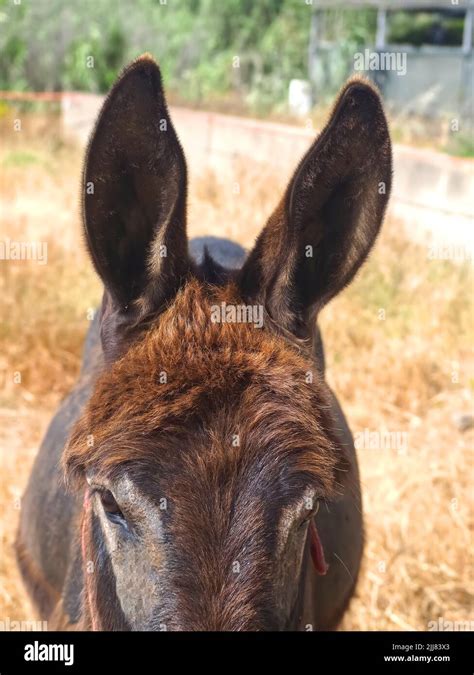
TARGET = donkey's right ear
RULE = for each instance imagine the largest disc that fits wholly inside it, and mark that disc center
(134, 200)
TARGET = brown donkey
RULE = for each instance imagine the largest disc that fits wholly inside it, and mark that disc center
(211, 480)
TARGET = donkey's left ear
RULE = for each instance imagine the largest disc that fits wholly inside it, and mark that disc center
(329, 216)
(134, 201)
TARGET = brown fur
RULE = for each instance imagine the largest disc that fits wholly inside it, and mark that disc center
(226, 376)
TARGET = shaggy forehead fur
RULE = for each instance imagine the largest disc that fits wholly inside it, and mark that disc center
(214, 396)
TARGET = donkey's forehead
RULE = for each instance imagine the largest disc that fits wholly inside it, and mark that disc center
(203, 348)
(221, 394)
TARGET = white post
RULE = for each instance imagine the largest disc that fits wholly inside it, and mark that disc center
(467, 32)
(381, 28)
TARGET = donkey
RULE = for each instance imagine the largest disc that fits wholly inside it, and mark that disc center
(211, 482)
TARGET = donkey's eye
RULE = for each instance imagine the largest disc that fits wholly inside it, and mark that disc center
(111, 508)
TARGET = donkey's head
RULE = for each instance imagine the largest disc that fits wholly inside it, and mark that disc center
(207, 445)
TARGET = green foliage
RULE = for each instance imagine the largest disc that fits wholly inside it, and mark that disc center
(206, 48)
(356, 26)
(20, 158)
(425, 28)
(461, 144)
(94, 63)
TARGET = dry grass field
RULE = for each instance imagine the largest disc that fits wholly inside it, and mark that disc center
(400, 358)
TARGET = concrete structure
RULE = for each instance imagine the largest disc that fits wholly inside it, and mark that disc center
(435, 80)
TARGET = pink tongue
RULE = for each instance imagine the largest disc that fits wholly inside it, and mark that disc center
(317, 551)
